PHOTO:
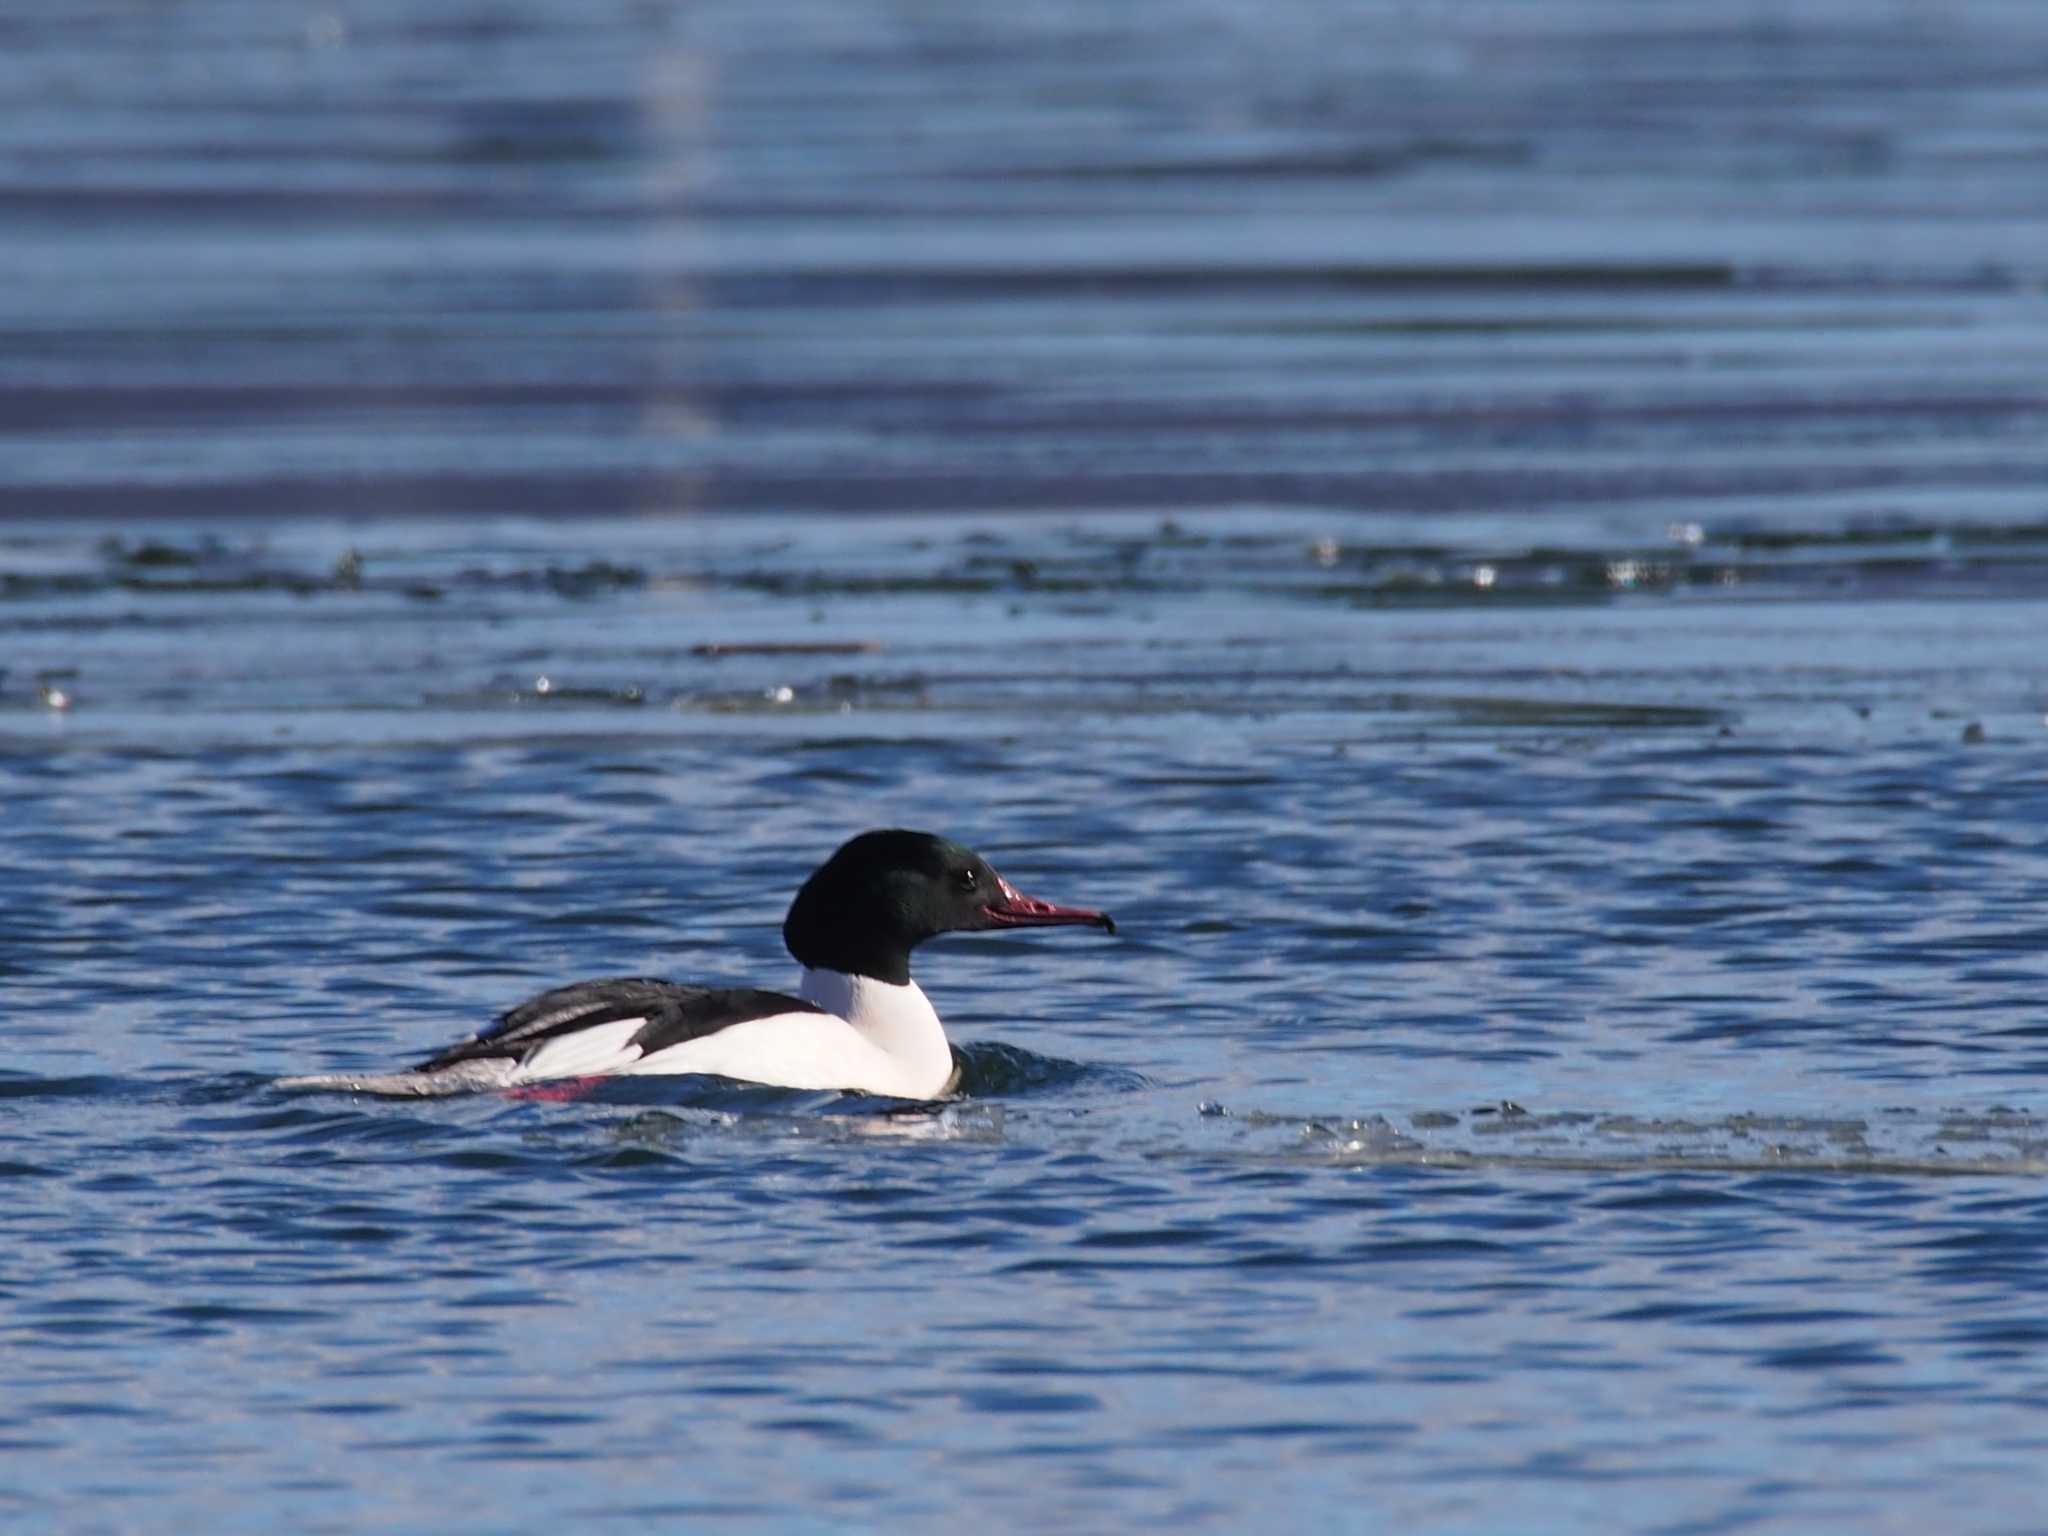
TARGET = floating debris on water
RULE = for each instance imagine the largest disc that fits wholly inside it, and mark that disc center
(718, 650)
(1508, 1135)
(156, 554)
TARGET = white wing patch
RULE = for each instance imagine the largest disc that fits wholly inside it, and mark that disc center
(592, 1052)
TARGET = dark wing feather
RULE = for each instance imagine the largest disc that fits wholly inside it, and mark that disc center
(674, 1013)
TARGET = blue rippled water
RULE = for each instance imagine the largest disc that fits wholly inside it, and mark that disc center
(1508, 549)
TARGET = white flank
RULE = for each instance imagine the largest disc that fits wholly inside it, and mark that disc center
(877, 1039)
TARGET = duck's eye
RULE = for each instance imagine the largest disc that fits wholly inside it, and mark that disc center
(967, 879)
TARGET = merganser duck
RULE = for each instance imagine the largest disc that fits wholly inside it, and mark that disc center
(857, 1021)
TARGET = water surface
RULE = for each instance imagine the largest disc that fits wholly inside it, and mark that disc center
(1508, 550)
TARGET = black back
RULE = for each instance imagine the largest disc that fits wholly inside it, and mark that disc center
(674, 1013)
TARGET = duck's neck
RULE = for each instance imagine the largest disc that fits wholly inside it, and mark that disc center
(898, 1018)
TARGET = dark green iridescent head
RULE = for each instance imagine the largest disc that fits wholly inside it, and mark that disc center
(886, 892)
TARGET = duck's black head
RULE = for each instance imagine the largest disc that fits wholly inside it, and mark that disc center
(884, 893)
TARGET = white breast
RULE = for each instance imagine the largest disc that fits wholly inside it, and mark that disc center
(899, 1020)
